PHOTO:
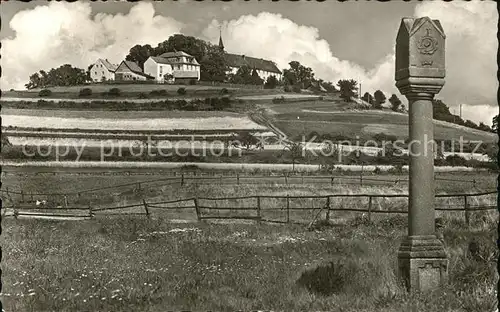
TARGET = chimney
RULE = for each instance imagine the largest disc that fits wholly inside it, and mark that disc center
(243, 56)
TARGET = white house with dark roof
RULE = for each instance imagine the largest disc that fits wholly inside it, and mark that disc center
(102, 70)
(264, 68)
(128, 70)
(176, 66)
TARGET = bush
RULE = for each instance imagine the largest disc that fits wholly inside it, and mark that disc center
(161, 92)
(181, 91)
(271, 83)
(287, 89)
(85, 92)
(382, 137)
(143, 95)
(45, 92)
(114, 92)
(456, 160)
(224, 91)
(192, 82)
(296, 89)
(278, 100)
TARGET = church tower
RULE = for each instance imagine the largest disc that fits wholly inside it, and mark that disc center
(221, 44)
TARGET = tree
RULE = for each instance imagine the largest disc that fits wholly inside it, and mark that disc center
(348, 89)
(65, 75)
(368, 98)
(213, 66)
(484, 127)
(296, 151)
(395, 102)
(242, 76)
(470, 124)
(379, 99)
(245, 139)
(255, 79)
(298, 74)
(139, 54)
(329, 87)
(271, 82)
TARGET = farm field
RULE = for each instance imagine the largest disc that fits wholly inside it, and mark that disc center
(222, 121)
(365, 124)
(139, 264)
(92, 114)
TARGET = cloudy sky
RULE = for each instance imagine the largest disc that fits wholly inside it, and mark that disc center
(337, 39)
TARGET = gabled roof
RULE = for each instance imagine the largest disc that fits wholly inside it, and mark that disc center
(169, 60)
(234, 60)
(160, 60)
(108, 65)
(133, 67)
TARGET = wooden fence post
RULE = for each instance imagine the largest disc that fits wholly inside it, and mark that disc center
(91, 213)
(182, 180)
(146, 207)
(286, 179)
(332, 181)
(287, 209)
(467, 211)
(31, 195)
(22, 196)
(198, 215)
(328, 208)
(361, 178)
(65, 201)
(238, 179)
(370, 208)
(258, 210)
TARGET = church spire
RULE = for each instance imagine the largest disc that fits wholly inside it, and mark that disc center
(221, 44)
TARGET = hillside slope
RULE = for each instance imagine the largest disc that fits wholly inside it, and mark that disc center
(334, 118)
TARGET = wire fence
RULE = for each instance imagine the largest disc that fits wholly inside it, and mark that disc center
(236, 179)
(269, 208)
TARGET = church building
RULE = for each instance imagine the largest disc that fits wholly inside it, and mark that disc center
(264, 68)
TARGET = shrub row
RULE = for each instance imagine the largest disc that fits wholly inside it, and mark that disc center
(207, 104)
(114, 92)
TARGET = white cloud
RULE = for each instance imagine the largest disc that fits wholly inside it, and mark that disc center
(58, 33)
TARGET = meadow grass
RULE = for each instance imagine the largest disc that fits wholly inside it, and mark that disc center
(365, 124)
(139, 264)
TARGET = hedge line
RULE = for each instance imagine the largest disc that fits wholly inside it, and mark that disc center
(208, 104)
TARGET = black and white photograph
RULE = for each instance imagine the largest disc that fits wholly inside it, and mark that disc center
(249, 155)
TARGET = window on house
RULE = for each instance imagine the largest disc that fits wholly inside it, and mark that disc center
(161, 69)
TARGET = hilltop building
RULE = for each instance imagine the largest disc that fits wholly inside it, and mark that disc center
(102, 70)
(264, 68)
(172, 66)
(128, 70)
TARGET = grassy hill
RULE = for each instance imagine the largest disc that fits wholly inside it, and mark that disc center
(335, 117)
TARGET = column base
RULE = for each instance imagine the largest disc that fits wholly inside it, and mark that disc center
(422, 263)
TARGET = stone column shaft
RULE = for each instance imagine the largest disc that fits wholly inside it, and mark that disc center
(421, 186)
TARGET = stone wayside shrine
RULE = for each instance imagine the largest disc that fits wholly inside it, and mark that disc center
(420, 72)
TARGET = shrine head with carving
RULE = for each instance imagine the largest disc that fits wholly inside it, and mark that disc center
(420, 49)
(420, 56)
